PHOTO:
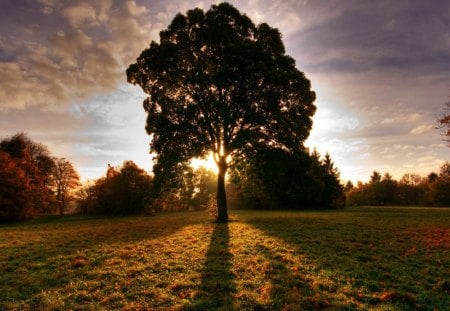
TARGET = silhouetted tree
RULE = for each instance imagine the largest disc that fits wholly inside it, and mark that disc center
(348, 186)
(65, 179)
(412, 190)
(276, 178)
(375, 177)
(85, 196)
(332, 195)
(123, 191)
(432, 177)
(440, 188)
(218, 83)
(387, 190)
(444, 122)
(444, 170)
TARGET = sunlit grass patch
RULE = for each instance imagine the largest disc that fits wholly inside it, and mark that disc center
(381, 259)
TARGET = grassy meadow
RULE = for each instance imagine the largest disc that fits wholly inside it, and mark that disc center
(352, 259)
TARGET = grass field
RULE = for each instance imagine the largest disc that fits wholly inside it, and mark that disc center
(352, 259)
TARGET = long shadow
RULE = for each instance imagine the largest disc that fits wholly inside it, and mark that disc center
(289, 288)
(217, 281)
(359, 260)
(63, 238)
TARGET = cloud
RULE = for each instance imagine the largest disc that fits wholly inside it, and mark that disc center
(378, 35)
(421, 129)
(86, 53)
(381, 70)
(80, 14)
(280, 14)
(64, 45)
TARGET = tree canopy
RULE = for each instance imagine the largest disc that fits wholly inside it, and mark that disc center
(32, 182)
(276, 178)
(65, 178)
(124, 190)
(219, 84)
(411, 189)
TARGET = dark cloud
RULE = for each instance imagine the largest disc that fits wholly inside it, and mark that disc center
(379, 34)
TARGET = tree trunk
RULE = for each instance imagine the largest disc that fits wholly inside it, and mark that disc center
(222, 213)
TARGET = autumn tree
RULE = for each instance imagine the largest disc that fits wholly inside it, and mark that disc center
(35, 161)
(85, 197)
(15, 203)
(216, 83)
(65, 179)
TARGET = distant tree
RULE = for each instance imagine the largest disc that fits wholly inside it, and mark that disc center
(440, 194)
(412, 190)
(358, 196)
(205, 187)
(444, 122)
(65, 179)
(85, 196)
(36, 163)
(387, 190)
(411, 179)
(348, 186)
(440, 188)
(218, 83)
(375, 177)
(126, 191)
(432, 177)
(275, 178)
(332, 195)
(192, 191)
(444, 170)
(15, 203)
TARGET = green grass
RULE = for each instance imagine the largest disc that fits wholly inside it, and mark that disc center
(354, 259)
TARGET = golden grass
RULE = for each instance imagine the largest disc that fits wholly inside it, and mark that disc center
(381, 259)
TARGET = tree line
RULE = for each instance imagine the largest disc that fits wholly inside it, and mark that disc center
(274, 179)
(216, 84)
(32, 181)
(410, 190)
(128, 189)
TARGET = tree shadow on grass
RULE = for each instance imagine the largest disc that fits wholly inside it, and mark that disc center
(44, 255)
(348, 266)
(217, 281)
(287, 288)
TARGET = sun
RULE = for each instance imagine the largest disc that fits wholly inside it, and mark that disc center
(207, 163)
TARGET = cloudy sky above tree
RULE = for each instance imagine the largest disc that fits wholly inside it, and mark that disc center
(381, 71)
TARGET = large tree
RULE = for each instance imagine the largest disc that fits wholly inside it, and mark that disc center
(219, 84)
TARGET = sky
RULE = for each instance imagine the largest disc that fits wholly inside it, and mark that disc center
(380, 69)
